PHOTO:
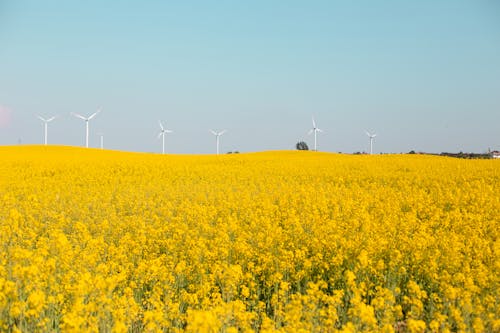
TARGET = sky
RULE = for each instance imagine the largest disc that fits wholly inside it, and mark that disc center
(423, 75)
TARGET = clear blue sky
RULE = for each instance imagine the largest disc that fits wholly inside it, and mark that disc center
(424, 75)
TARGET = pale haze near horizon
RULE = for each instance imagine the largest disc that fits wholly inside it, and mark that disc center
(423, 75)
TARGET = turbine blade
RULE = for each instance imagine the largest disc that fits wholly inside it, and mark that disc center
(94, 114)
(319, 130)
(41, 118)
(310, 132)
(51, 118)
(160, 134)
(78, 115)
(222, 132)
(314, 123)
(213, 132)
(367, 133)
(161, 125)
(169, 131)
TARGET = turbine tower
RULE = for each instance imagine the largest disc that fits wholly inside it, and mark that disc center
(162, 134)
(371, 136)
(315, 129)
(217, 135)
(101, 136)
(45, 123)
(87, 119)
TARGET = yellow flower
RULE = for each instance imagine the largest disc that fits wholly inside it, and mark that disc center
(416, 326)
(95, 240)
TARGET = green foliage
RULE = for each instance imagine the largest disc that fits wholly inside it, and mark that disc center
(301, 146)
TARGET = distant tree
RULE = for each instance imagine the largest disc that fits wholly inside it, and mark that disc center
(301, 146)
(411, 152)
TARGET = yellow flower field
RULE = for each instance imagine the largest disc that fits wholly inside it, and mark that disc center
(102, 241)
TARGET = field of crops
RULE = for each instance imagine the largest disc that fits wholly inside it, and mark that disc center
(106, 241)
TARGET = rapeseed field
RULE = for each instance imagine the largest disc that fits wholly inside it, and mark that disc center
(102, 241)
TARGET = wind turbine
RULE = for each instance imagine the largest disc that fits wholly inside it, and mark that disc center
(217, 135)
(314, 129)
(162, 134)
(371, 136)
(45, 123)
(87, 119)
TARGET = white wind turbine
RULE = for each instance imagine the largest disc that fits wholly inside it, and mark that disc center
(371, 136)
(87, 119)
(314, 129)
(217, 135)
(45, 123)
(162, 134)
